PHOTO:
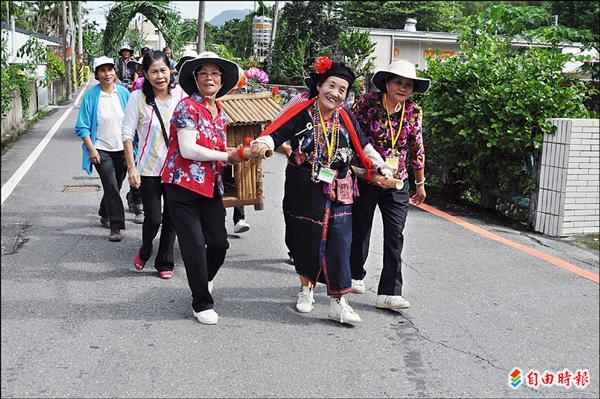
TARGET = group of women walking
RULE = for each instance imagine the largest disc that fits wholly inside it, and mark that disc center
(182, 153)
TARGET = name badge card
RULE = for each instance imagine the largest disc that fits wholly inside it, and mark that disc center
(326, 175)
(392, 162)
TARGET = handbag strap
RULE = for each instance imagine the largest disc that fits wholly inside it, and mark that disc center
(162, 125)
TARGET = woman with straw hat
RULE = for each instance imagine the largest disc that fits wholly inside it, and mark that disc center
(392, 122)
(319, 185)
(192, 174)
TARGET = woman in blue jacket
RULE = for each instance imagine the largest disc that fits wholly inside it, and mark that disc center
(99, 126)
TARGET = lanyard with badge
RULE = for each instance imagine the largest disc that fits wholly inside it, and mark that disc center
(393, 159)
(321, 172)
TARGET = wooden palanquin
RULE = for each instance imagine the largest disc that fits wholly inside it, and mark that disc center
(248, 114)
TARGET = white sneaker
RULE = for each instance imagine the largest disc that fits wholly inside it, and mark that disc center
(358, 286)
(305, 300)
(208, 316)
(241, 226)
(340, 310)
(391, 302)
(210, 287)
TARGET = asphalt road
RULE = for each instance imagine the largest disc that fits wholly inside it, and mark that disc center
(78, 321)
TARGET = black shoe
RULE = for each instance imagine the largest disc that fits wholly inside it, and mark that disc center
(115, 235)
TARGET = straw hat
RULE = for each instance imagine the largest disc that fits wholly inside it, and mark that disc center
(188, 55)
(400, 68)
(187, 74)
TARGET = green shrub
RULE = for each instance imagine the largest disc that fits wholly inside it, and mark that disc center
(486, 111)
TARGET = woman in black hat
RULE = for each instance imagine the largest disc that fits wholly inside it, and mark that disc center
(192, 174)
(392, 122)
(319, 185)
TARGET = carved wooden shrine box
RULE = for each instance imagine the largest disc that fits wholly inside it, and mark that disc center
(248, 115)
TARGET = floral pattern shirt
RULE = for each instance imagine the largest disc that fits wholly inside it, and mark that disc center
(198, 176)
(373, 119)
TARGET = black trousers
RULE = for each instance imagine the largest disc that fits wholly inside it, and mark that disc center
(152, 191)
(238, 214)
(393, 205)
(134, 196)
(202, 236)
(112, 170)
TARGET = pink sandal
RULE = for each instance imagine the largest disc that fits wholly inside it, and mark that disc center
(138, 263)
(166, 274)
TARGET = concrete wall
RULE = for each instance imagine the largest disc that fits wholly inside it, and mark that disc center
(568, 195)
(14, 118)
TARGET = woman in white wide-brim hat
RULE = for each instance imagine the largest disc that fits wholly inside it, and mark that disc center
(392, 122)
(192, 174)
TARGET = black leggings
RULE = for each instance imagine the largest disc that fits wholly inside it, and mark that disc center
(152, 192)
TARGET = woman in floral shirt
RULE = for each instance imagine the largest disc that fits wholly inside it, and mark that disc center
(192, 174)
(392, 123)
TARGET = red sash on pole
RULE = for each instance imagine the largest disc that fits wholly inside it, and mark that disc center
(296, 109)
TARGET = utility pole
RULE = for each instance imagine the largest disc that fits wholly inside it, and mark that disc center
(80, 31)
(65, 44)
(73, 66)
(273, 33)
(201, 18)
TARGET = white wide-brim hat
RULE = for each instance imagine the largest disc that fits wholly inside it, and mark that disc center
(402, 68)
(127, 47)
(229, 79)
(104, 60)
(188, 55)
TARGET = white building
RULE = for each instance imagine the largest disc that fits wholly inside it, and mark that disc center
(413, 45)
(15, 39)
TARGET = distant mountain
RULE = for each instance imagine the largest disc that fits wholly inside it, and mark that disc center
(227, 15)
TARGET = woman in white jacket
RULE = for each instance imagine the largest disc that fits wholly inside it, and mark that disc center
(149, 112)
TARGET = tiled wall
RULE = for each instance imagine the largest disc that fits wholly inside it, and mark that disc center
(568, 196)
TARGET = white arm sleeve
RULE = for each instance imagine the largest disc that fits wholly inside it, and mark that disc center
(268, 140)
(190, 150)
(132, 114)
(374, 156)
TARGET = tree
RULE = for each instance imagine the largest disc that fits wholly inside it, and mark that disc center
(135, 39)
(92, 40)
(119, 16)
(312, 23)
(357, 50)
(436, 16)
(577, 14)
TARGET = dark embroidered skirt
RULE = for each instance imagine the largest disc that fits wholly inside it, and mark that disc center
(320, 232)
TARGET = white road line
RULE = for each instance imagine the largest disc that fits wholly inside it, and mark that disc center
(15, 179)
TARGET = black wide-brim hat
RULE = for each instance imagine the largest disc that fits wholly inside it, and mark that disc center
(187, 74)
(338, 69)
(133, 64)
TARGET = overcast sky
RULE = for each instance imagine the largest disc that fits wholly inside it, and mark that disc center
(187, 9)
